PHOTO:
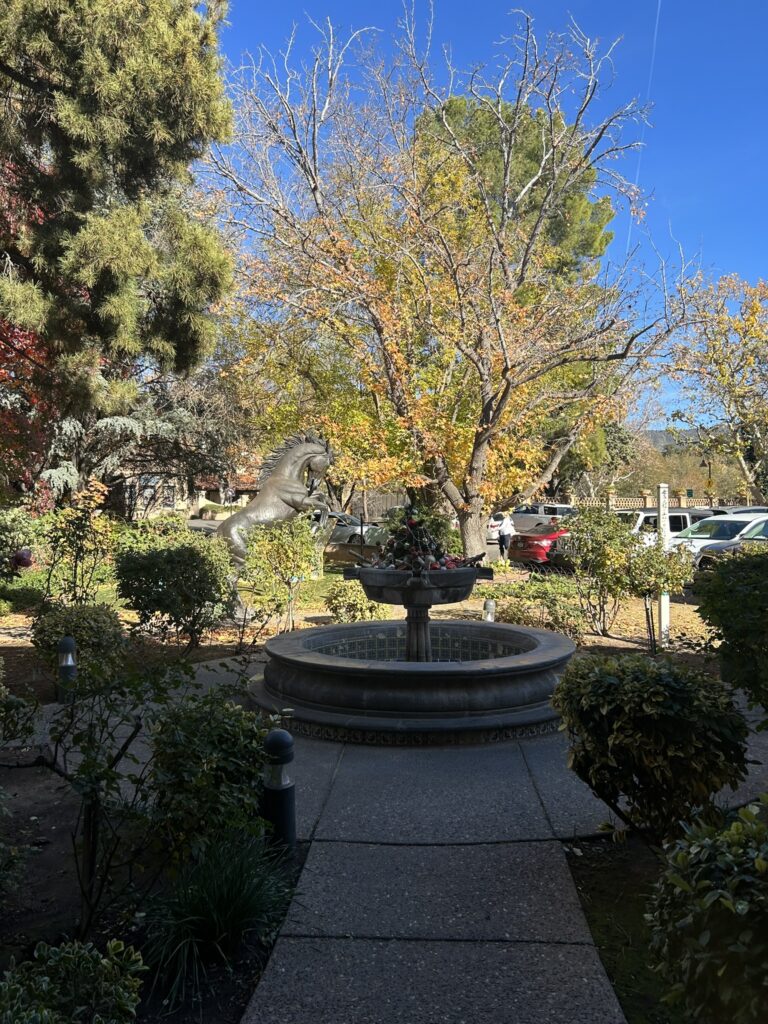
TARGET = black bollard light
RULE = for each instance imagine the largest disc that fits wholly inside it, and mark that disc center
(67, 652)
(278, 800)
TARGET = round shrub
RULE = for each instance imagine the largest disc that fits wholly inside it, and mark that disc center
(346, 602)
(73, 984)
(659, 738)
(709, 920)
(150, 534)
(548, 603)
(175, 579)
(733, 600)
(206, 771)
(97, 631)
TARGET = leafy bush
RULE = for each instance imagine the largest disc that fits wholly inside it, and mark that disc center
(660, 738)
(206, 773)
(652, 570)
(733, 600)
(16, 714)
(150, 534)
(279, 557)
(97, 631)
(709, 920)
(9, 855)
(545, 603)
(26, 593)
(600, 546)
(174, 578)
(16, 532)
(91, 742)
(236, 889)
(73, 984)
(346, 601)
(79, 542)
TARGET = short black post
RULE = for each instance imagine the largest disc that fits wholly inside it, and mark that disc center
(67, 652)
(278, 799)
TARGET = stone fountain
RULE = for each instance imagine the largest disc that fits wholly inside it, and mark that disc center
(412, 681)
(415, 681)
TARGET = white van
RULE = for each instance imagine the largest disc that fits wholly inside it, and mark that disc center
(646, 520)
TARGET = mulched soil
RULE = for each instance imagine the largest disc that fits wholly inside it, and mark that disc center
(614, 880)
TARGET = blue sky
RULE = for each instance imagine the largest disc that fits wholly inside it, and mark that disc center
(705, 156)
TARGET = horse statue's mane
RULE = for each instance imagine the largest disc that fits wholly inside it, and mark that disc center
(302, 437)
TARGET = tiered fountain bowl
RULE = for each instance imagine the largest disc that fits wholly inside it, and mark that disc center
(415, 681)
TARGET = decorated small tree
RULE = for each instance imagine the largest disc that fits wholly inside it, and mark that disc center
(412, 546)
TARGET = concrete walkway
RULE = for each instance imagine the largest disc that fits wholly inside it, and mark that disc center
(436, 888)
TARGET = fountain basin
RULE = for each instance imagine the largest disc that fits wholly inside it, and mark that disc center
(430, 587)
(486, 681)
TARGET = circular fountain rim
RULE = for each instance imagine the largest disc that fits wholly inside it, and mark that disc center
(549, 649)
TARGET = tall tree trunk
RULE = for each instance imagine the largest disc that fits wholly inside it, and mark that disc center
(472, 526)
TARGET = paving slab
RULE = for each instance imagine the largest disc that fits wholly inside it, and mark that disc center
(462, 794)
(227, 671)
(313, 768)
(354, 981)
(570, 805)
(516, 891)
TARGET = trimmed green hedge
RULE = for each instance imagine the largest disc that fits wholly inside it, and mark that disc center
(654, 741)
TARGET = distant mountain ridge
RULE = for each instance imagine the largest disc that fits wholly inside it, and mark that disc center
(663, 439)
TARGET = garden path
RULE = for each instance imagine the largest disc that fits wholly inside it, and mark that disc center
(436, 889)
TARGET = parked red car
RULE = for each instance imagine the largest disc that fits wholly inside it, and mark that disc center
(533, 546)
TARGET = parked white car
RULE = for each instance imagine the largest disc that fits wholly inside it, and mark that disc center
(718, 531)
(757, 534)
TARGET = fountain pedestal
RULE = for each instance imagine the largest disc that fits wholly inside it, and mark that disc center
(417, 591)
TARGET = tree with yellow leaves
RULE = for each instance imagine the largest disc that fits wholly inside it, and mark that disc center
(723, 366)
(447, 241)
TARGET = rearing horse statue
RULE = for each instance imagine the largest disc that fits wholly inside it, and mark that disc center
(283, 492)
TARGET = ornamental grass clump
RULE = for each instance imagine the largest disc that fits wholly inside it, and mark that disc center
(235, 890)
(709, 920)
(653, 741)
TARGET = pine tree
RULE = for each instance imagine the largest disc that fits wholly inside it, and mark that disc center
(105, 106)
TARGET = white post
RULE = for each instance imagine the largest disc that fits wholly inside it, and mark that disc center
(662, 505)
